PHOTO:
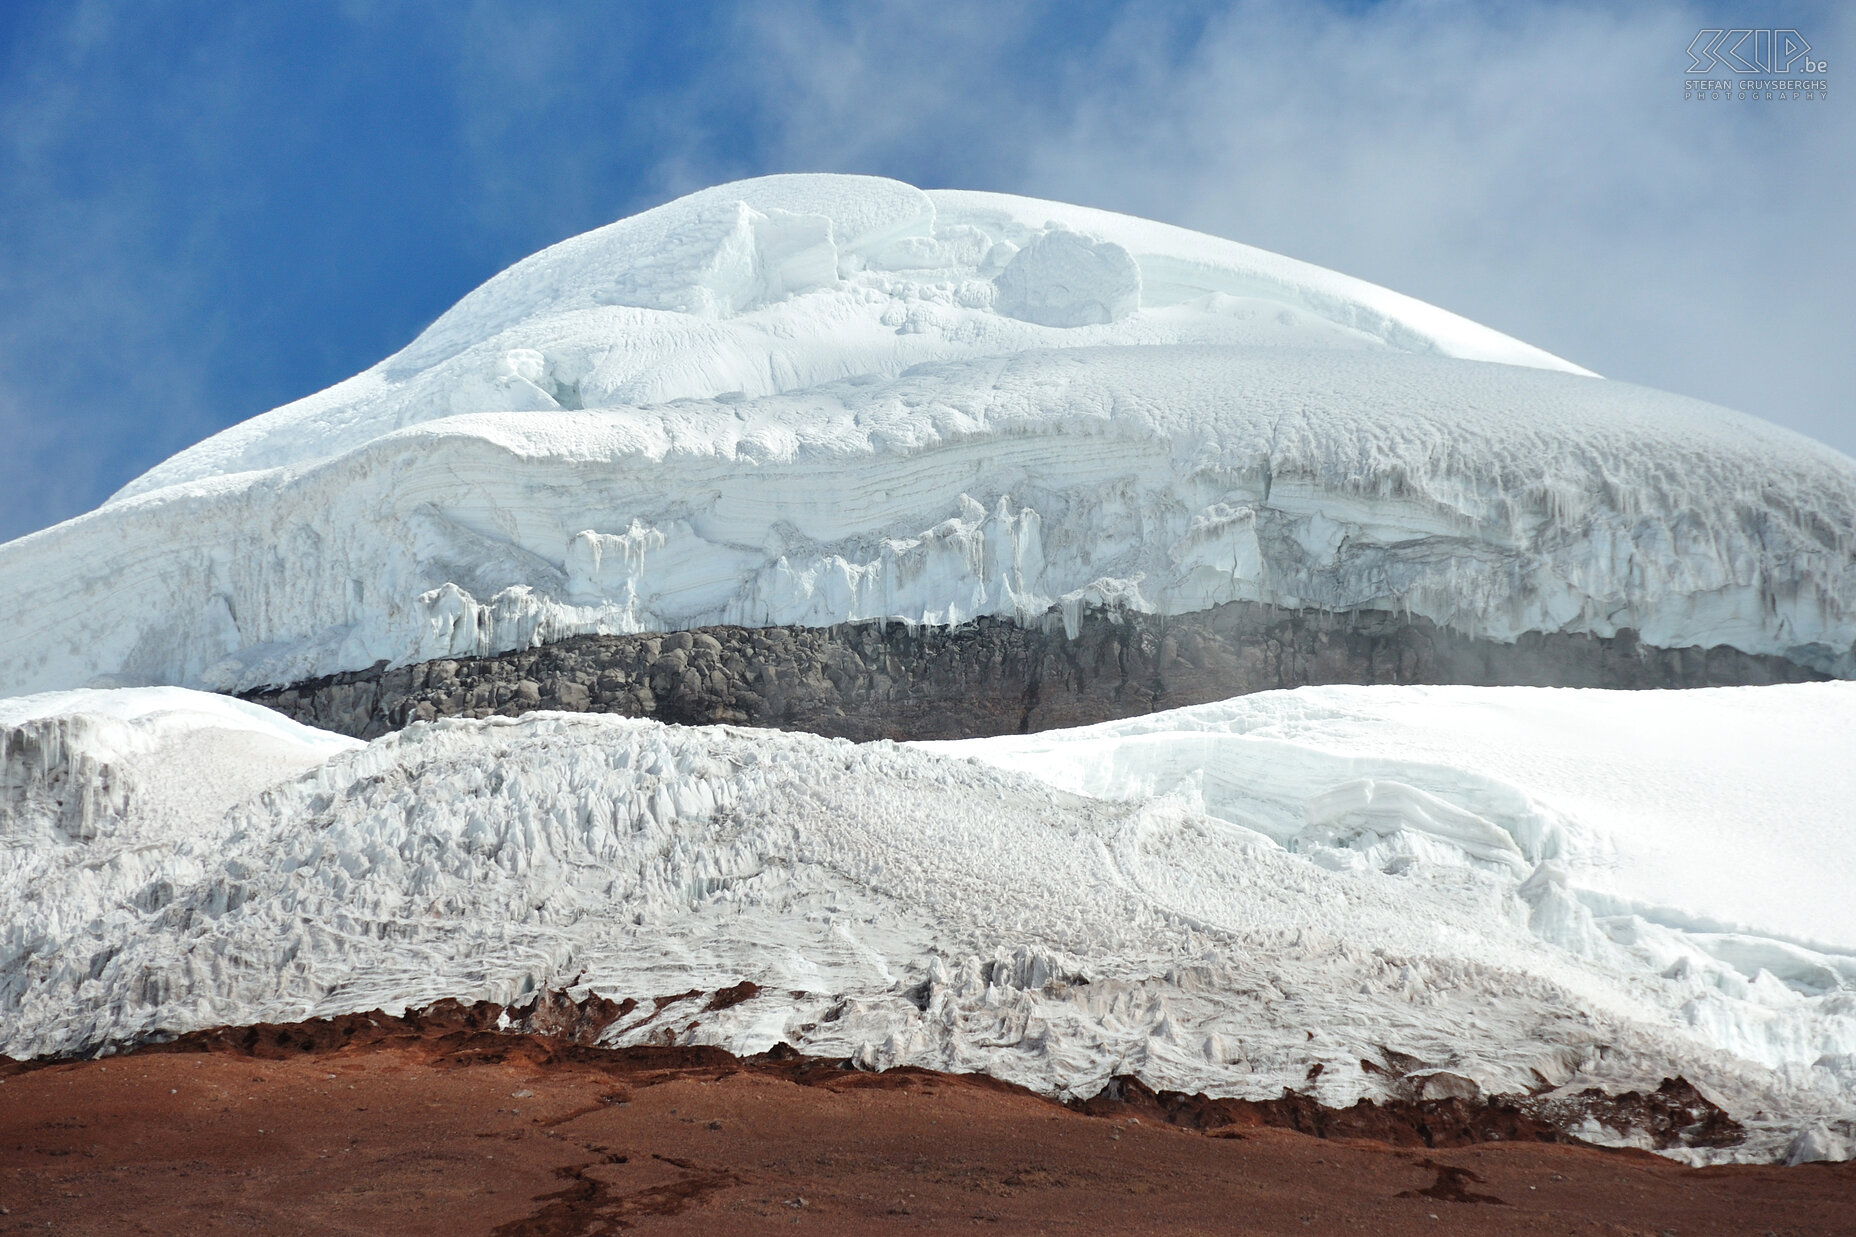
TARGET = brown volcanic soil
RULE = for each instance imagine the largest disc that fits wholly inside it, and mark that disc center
(433, 1124)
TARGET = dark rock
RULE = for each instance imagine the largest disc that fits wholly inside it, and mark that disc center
(890, 681)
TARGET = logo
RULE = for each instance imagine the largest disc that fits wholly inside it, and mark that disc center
(1763, 64)
(1772, 51)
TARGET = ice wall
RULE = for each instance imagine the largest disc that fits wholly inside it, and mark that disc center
(1493, 499)
(807, 400)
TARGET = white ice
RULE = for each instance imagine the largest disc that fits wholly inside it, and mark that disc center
(816, 399)
(1215, 899)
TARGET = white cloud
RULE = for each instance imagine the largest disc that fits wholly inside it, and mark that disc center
(1534, 168)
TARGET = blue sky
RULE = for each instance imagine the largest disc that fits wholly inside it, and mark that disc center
(208, 210)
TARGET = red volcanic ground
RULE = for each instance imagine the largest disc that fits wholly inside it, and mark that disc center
(371, 1124)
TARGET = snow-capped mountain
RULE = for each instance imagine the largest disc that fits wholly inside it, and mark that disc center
(811, 399)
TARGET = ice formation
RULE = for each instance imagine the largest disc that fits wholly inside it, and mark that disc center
(1515, 887)
(804, 400)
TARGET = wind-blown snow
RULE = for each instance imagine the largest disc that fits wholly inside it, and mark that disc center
(1248, 890)
(806, 400)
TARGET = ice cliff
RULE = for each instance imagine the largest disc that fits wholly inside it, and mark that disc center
(811, 399)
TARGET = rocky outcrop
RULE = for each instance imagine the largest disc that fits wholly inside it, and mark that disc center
(871, 680)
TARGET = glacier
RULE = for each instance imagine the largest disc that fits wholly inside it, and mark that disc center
(818, 399)
(813, 400)
(1533, 890)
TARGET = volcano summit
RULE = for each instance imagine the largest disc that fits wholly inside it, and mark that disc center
(813, 400)
(835, 454)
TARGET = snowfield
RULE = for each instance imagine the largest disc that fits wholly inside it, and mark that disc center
(811, 399)
(1521, 888)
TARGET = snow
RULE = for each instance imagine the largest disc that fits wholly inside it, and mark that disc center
(100, 789)
(1733, 807)
(154, 710)
(117, 770)
(1498, 499)
(814, 399)
(787, 282)
(1215, 899)
(1816, 1145)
